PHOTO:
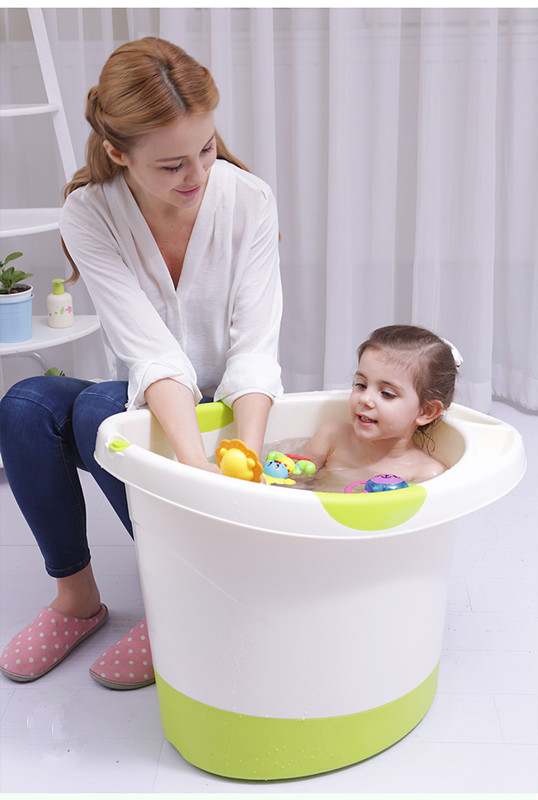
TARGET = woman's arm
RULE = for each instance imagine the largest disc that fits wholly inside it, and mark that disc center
(250, 413)
(173, 405)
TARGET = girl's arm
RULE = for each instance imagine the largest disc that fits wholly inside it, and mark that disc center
(321, 444)
(172, 404)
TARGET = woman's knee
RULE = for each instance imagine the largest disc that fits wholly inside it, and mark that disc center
(31, 401)
(21, 396)
(35, 423)
(95, 404)
(100, 400)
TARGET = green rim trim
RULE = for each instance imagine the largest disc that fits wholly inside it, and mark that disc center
(118, 445)
(266, 748)
(212, 416)
(373, 511)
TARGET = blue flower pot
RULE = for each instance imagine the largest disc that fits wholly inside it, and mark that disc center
(16, 316)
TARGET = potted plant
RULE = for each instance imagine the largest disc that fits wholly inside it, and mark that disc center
(15, 302)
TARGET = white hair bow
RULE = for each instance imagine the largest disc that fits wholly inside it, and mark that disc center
(458, 358)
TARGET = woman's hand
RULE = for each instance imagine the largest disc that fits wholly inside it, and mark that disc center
(172, 404)
(208, 467)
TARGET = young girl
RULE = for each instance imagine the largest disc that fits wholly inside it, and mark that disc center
(405, 380)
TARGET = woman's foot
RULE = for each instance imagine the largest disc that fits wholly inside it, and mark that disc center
(46, 641)
(128, 663)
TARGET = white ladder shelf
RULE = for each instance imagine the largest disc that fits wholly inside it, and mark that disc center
(26, 221)
(53, 106)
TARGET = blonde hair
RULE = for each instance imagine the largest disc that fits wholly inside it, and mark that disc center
(144, 85)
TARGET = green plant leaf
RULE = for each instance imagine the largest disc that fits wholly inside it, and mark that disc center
(10, 277)
(12, 257)
(21, 276)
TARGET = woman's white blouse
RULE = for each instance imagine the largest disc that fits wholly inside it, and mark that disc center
(218, 332)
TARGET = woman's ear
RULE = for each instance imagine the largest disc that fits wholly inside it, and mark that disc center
(113, 154)
(430, 411)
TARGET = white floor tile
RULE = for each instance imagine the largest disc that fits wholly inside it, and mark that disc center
(491, 672)
(6, 695)
(486, 631)
(58, 712)
(450, 767)
(503, 595)
(458, 597)
(518, 715)
(511, 559)
(73, 765)
(460, 718)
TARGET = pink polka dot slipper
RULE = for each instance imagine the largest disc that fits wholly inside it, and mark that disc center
(126, 664)
(45, 642)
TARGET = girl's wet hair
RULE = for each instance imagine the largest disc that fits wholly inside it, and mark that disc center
(429, 359)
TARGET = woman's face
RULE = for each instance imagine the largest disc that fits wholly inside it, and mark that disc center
(170, 166)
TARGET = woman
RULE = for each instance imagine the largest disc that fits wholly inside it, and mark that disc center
(178, 245)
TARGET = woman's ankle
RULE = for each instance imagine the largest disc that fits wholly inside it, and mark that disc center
(78, 595)
(76, 607)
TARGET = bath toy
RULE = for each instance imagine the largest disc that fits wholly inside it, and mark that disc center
(279, 466)
(236, 460)
(379, 483)
(276, 471)
(280, 458)
(303, 466)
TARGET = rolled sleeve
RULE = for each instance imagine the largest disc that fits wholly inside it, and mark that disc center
(144, 373)
(252, 358)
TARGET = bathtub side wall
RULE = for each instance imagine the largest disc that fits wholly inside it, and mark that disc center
(287, 627)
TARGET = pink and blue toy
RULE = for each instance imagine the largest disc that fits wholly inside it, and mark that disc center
(379, 483)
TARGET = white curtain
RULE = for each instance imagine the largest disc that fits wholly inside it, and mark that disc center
(402, 145)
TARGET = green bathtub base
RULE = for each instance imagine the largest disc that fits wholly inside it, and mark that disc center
(265, 748)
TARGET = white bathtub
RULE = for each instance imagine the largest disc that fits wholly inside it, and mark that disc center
(295, 632)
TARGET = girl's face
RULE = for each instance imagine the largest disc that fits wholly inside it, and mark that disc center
(170, 166)
(383, 402)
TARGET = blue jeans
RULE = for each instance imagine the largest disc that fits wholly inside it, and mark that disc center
(48, 428)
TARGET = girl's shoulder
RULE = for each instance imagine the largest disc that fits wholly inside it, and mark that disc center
(426, 467)
(331, 432)
(334, 427)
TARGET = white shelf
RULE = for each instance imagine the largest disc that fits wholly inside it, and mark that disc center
(28, 110)
(44, 336)
(19, 221)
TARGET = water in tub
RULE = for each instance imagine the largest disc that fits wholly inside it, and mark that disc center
(324, 480)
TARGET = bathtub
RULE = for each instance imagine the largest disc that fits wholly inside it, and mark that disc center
(296, 632)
